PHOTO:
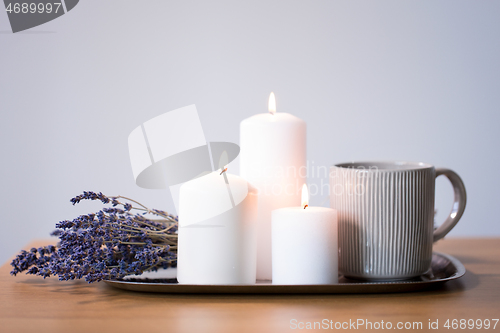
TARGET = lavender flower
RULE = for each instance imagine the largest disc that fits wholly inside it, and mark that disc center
(109, 244)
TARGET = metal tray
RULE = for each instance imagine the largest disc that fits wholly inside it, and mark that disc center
(443, 268)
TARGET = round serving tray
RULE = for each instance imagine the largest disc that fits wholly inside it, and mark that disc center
(443, 269)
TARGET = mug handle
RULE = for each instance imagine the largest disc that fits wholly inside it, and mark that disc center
(459, 201)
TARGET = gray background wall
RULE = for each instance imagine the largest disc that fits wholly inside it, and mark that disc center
(412, 80)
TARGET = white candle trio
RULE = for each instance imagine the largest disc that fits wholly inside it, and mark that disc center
(255, 236)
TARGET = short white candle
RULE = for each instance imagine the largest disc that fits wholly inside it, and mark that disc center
(304, 245)
(273, 159)
(217, 231)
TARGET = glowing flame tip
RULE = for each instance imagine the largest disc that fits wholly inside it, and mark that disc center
(272, 104)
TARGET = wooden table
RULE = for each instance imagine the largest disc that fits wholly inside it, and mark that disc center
(30, 303)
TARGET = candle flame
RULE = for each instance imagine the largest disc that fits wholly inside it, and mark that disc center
(272, 104)
(305, 196)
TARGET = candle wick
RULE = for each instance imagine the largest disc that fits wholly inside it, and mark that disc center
(305, 206)
(223, 171)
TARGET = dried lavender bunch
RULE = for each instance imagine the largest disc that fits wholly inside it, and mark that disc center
(109, 244)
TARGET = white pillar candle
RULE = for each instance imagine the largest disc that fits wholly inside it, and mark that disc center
(304, 245)
(217, 231)
(273, 159)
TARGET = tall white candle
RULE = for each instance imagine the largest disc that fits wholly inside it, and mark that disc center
(273, 159)
(304, 245)
(217, 231)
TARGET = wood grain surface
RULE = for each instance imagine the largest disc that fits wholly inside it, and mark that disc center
(30, 303)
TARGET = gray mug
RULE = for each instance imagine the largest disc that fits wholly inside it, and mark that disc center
(386, 217)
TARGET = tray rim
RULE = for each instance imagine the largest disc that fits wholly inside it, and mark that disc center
(269, 288)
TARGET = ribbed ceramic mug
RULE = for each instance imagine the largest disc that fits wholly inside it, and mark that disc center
(386, 217)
